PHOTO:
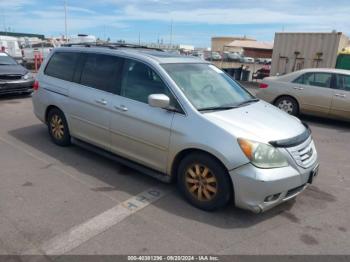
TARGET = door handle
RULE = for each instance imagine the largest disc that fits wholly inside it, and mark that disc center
(298, 88)
(121, 108)
(101, 102)
(340, 95)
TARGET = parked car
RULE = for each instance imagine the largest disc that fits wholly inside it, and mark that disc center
(199, 54)
(176, 119)
(29, 52)
(320, 92)
(213, 56)
(266, 61)
(261, 73)
(247, 60)
(14, 78)
(228, 56)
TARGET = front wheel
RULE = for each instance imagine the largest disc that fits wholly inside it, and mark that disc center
(204, 182)
(288, 105)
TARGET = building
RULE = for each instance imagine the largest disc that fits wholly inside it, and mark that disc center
(219, 42)
(295, 51)
(250, 48)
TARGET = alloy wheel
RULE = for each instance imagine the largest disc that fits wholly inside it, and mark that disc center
(201, 182)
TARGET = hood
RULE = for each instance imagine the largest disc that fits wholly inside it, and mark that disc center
(259, 121)
(12, 70)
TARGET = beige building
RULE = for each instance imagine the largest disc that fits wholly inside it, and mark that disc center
(218, 43)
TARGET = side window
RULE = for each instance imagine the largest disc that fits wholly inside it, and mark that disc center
(343, 82)
(140, 81)
(318, 79)
(62, 65)
(300, 79)
(102, 72)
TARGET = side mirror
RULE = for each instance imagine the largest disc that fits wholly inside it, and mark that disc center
(159, 100)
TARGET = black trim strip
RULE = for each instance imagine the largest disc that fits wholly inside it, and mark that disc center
(141, 168)
(55, 92)
(294, 141)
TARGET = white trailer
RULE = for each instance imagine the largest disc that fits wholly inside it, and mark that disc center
(10, 45)
(295, 51)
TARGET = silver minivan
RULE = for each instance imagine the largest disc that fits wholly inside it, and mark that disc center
(177, 119)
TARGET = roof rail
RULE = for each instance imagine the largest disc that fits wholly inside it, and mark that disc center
(112, 46)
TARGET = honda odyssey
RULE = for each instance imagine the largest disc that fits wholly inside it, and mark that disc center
(176, 118)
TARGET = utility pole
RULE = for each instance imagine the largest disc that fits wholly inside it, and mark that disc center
(139, 38)
(65, 21)
(171, 33)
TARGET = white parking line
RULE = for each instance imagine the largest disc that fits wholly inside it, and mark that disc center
(79, 234)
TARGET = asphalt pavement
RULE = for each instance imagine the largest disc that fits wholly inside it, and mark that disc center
(56, 200)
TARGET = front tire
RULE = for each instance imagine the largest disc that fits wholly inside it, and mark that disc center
(204, 182)
(58, 127)
(288, 104)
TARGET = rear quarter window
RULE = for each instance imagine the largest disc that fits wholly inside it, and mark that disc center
(62, 65)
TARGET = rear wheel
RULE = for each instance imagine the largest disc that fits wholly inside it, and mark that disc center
(204, 182)
(58, 128)
(288, 104)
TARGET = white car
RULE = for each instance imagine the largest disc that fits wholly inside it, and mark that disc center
(248, 60)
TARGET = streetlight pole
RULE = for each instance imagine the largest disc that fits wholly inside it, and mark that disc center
(65, 20)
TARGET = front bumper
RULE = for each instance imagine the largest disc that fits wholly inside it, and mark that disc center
(18, 86)
(253, 186)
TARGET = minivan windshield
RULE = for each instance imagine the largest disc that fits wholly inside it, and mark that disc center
(207, 87)
(6, 59)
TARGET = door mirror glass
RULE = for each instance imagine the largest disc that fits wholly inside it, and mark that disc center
(159, 100)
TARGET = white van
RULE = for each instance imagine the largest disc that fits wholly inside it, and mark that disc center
(10, 45)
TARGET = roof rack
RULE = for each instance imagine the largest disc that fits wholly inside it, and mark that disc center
(113, 46)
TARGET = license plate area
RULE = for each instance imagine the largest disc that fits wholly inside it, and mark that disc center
(313, 174)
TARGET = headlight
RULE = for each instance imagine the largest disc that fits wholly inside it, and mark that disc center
(262, 155)
(27, 76)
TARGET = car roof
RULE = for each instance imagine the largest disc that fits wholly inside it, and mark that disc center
(157, 56)
(325, 70)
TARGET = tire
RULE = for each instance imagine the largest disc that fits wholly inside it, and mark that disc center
(288, 104)
(58, 127)
(208, 185)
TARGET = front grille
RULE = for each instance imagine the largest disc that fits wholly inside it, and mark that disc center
(10, 77)
(304, 154)
(294, 191)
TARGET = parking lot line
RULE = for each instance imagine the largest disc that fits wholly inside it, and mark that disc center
(73, 238)
(46, 162)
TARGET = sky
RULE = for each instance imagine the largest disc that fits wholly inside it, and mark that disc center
(193, 22)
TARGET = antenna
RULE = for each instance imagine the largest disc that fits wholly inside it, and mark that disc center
(171, 33)
(65, 20)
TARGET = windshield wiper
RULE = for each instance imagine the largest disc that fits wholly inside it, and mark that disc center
(248, 102)
(216, 108)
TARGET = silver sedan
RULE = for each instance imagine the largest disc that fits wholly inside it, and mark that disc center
(320, 92)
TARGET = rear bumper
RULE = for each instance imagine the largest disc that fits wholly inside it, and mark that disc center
(252, 186)
(13, 87)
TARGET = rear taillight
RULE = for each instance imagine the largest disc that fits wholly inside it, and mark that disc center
(263, 85)
(36, 85)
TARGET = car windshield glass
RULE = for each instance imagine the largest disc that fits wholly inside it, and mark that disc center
(207, 87)
(6, 60)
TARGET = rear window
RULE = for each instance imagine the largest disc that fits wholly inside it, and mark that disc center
(62, 65)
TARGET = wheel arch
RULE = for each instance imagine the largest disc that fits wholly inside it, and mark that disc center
(49, 108)
(182, 154)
